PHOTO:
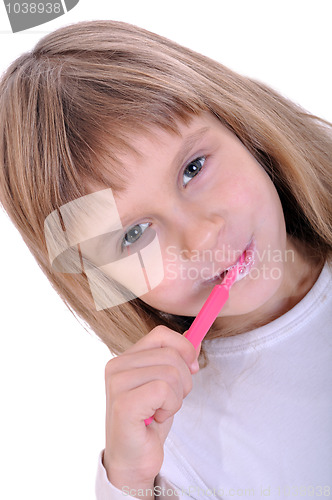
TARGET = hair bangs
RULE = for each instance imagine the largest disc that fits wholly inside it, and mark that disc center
(102, 113)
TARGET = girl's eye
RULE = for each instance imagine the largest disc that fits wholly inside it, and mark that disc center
(192, 169)
(134, 234)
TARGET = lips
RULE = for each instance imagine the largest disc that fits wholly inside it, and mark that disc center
(218, 277)
(248, 255)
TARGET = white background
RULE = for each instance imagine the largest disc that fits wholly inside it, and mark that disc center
(51, 369)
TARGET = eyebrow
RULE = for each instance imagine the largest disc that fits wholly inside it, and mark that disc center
(187, 145)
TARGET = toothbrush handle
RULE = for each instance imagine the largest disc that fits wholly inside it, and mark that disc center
(207, 315)
(204, 319)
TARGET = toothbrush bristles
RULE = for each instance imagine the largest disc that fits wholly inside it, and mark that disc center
(233, 273)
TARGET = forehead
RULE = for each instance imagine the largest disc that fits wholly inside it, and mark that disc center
(151, 147)
(153, 141)
(144, 146)
(125, 145)
(152, 136)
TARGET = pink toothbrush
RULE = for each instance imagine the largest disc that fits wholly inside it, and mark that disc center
(211, 308)
(213, 305)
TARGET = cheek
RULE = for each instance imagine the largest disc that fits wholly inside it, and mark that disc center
(242, 195)
(175, 293)
(163, 298)
(258, 192)
(271, 212)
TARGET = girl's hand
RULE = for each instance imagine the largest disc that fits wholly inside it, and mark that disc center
(150, 378)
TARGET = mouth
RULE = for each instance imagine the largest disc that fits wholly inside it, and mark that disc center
(248, 260)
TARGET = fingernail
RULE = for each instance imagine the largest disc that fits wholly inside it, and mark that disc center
(194, 367)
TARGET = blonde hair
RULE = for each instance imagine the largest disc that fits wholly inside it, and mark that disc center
(68, 108)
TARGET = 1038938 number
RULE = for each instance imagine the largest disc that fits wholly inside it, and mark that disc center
(33, 8)
(302, 491)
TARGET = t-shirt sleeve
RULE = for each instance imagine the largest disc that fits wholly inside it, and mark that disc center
(105, 490)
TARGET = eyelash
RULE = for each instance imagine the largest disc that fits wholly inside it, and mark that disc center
(127, 244)
(201, 160)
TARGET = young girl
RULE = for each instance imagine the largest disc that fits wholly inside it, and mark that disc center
(115, 141)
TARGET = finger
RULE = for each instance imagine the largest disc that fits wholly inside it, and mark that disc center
(142, 359)
(127, 380)
(161, 337)
(132, 367)
(137, 405)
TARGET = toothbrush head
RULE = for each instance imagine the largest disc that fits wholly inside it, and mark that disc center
(234, 273)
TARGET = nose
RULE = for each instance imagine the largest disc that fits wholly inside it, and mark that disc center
(197, 234)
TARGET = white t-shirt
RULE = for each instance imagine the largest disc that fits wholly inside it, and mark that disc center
(258, 421)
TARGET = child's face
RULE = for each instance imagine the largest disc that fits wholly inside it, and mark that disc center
(207, 199)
